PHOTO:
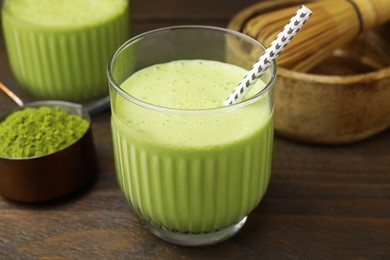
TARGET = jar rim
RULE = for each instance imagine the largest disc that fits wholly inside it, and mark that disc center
(139, 102)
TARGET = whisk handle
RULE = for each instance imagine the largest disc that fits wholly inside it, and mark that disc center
(373, 12)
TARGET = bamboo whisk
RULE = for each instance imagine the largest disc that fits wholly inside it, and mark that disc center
(333, 24)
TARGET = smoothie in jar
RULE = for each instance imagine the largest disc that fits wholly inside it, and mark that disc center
(191, 166)
(59, 49)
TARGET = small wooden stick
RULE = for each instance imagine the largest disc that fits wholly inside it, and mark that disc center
(9, 93)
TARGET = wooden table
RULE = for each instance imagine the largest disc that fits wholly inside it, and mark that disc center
(322, 203)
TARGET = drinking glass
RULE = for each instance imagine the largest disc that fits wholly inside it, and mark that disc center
(193, 175)
(59, 50)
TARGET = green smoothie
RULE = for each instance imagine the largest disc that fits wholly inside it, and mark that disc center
(194, 170)
(59, 49)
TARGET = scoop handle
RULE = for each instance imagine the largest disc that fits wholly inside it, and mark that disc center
(373, 12)
(12, 95)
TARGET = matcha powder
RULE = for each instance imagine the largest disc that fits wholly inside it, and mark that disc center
(39, 131)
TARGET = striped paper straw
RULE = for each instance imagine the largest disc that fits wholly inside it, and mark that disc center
(269, 55)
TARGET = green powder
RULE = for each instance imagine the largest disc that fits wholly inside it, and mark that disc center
(39, 131)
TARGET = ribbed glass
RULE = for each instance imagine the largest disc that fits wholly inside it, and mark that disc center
(193, 191)
(63, 63)
(192, 174)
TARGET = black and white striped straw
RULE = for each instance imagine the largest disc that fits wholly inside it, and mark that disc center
(269, 55)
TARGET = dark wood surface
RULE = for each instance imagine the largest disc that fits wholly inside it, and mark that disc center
(323, 202)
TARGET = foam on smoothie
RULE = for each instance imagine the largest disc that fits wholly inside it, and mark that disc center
(173, 85)
(190, 84)
(65, 13)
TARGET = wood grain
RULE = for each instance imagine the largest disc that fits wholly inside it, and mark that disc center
(322, 203)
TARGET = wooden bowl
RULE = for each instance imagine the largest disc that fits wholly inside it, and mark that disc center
(345, 99)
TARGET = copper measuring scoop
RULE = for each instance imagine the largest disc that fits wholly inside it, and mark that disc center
(51, 176)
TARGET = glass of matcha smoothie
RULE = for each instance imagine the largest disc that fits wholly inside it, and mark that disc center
(191, 167)
(60, 49)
